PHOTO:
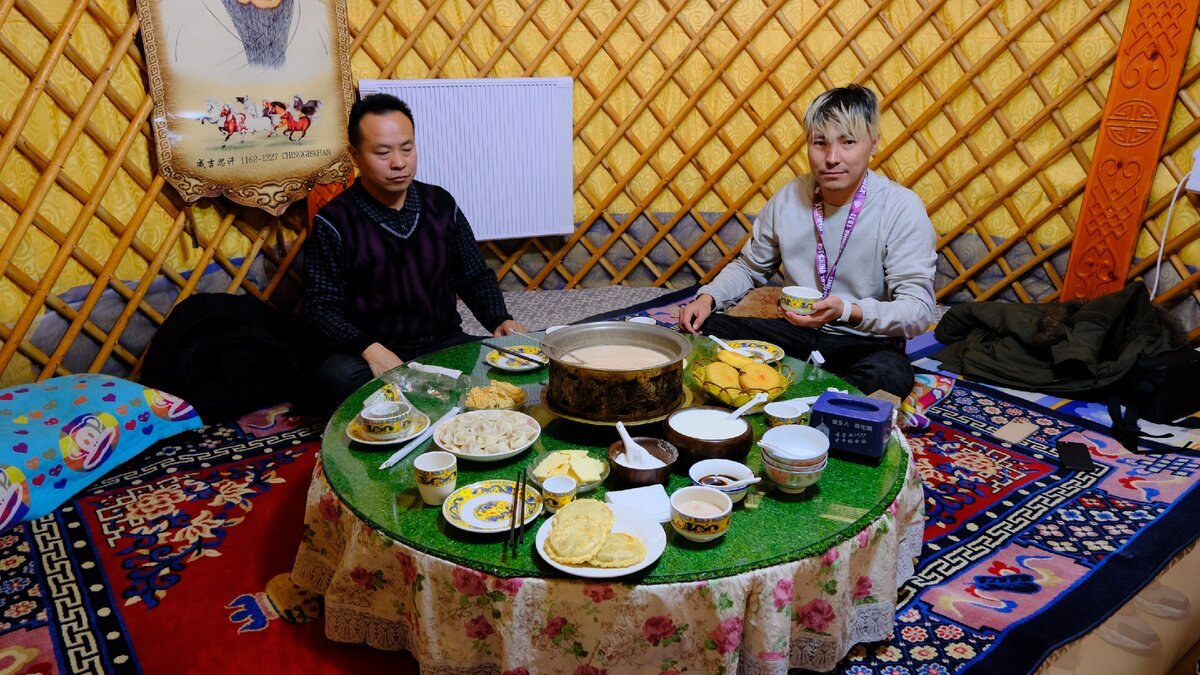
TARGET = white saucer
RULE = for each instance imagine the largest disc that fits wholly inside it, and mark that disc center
(358, 434)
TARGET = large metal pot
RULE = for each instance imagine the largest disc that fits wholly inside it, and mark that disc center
(609, 395)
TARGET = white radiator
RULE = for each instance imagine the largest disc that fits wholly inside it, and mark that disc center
(501, 146)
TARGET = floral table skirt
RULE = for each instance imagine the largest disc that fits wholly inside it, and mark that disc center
(453, 619)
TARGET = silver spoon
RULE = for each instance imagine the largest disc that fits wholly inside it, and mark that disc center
(736, 350)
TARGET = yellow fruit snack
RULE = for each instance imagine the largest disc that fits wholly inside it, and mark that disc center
(758, 376)
(734, 359)
(722, 375)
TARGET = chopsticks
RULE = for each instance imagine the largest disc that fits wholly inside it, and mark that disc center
(516, 527)
(543, 347)
(510, 352)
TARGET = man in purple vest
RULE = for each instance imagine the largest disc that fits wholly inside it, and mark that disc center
(388, 256)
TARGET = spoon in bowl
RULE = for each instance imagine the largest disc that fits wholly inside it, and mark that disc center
(736, 350)
(639, 457)
(754, 400)
(735, 484)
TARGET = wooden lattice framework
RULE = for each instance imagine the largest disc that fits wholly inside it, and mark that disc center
(686, 121)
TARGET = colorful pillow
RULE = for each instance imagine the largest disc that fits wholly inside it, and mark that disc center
(59, 436)
(928, 389)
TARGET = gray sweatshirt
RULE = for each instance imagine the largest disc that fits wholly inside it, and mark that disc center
(887, 268)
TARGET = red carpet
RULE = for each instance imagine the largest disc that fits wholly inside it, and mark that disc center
(172, 560)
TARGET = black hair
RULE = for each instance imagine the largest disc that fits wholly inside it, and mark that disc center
(374, 104)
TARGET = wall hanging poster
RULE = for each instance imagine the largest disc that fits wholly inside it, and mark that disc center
(250, 96)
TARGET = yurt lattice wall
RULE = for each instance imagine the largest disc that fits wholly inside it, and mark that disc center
(686, 121)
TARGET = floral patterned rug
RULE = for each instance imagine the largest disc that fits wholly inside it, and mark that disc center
(175, 564)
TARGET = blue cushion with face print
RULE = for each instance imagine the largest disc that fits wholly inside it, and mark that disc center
(59, 436)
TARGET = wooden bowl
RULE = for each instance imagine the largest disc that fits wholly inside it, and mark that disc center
(655, 446)
(693, 449)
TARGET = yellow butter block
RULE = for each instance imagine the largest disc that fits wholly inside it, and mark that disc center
(556, 464)
(586, 469)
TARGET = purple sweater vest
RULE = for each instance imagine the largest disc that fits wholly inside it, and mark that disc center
(399, 289)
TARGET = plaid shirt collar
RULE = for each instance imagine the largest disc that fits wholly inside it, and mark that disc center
(400, 222)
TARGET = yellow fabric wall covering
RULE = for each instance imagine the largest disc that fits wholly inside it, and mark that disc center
(686, 112)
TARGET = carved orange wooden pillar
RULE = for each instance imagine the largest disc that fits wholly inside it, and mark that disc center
(1154, 47)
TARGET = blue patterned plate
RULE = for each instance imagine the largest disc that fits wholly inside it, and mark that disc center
(498, 359)
(759, 350)
(486, 506)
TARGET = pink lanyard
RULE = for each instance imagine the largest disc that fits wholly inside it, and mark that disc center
(824, 271)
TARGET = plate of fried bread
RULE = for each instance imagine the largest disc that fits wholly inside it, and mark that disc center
(591, 539)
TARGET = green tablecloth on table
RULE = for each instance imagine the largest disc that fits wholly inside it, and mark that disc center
(779, 528)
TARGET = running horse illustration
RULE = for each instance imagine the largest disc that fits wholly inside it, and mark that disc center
(232, 123)
(290, 125)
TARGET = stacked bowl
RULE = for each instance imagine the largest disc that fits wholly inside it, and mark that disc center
(794, 456)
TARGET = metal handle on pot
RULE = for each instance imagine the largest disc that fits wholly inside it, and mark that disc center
(557, 354)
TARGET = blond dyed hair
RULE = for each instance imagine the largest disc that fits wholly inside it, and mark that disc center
(853, 110)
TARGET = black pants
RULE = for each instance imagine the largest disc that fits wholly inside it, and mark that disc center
(341, 374)
(869, 363)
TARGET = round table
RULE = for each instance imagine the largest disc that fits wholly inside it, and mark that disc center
(796, 582)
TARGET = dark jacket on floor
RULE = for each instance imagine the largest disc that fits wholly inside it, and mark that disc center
(228, 355)
(1077, 349)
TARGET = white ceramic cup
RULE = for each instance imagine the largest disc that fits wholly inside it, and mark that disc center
(437, 474)
(557, 492)
(798, 299)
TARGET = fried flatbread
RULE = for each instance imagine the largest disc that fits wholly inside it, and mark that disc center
(587, 509)
(575, 541)
(619, 550)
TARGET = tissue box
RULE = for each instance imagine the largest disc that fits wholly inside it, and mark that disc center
(854, 424)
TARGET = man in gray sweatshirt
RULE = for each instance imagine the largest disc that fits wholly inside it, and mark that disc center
(863, 241)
